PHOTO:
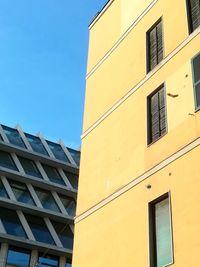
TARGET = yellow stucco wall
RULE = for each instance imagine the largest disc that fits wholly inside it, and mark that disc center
(115, 151)
(117, 234)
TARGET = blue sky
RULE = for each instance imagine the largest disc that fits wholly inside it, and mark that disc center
(43, 58)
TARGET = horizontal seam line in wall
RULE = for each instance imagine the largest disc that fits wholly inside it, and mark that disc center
(138, 85)
(139, 179)
(136, 21)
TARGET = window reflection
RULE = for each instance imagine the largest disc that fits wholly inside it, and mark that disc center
(36, 144)
(69, 204)
(13, 136)
(3, 192)
(18, 257)
(57, 151)
(75, 155)
(39, 229)
(21, 192)
(73, 179)
(7, 161)
(53, 174)
(47, 261)
(30, 167)
(64, 233)
(12, 223)
(46, 199)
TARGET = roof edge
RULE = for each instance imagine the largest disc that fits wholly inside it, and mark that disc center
(100, 13)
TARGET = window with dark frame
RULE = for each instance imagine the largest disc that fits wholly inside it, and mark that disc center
(193, 10)
(154, 45)
(160, 233)
(156, 106)
(196, 79)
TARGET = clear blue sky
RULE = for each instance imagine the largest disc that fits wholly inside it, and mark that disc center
(43, 58)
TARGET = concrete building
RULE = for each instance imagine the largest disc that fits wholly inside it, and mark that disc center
(139, 186)
(38, 188)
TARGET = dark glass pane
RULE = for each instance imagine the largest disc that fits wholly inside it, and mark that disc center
(21, 192)
(73, 179)
(3, 192)
(1, 138)
(196, 68)
(53, 174)
(69, 204)
(64, 233)
(39, 229)
(47, 199)
(11, 222)
(75, 155)
(18, 258)
(163, 233)
(58, 151)
(7, 161)
(197, 91)
(29, 167)
(68, 263)
(13, 136)
(47, 261)
(194, 6)
(36, 144)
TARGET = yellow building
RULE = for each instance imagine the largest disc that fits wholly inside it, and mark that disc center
(139, 187)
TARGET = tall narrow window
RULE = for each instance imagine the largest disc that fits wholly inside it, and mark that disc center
(196, 79)
(160, 232)
(156, 114)
(73, 179)
(154, 45)
(193, 7)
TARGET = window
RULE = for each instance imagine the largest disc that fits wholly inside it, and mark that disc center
(21, 192)
(39, 229)
(36, 144)
(73, 179)
(47, 199)
(7, 161)
(3, 192)
(160, 232)
(13, 136)
(18, 257)
(58, 151)
(156, 114)
(69, 263)
(69, 204)
(193, 8)
(53, 174)
(196, 79)
(47, 261)
(154, 45)
(64, 233)
(75, 155)
(11, 222)
(29, 167)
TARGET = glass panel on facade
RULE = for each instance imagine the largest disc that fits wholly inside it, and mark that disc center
(21, 192)
(73, 179)
(3, 192)
(53, 174)
(64, 233)
(39, 229)
(11, 223)
(69, 263)
(57, 151)
(1, 138)
(75, 155)
(69, 204)
(36, 144)
(30, 167)
(7, 161)
(47, 261)
(18, 257)
(47, 199)
(13, 136)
